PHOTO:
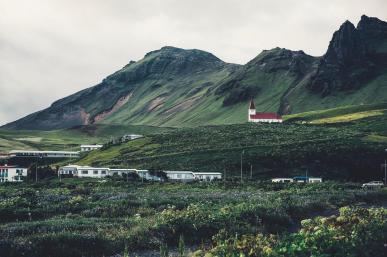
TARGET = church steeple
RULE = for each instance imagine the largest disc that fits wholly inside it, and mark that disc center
(251, 110)
(252, 105)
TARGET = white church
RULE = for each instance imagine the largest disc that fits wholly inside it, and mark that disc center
(268, 117)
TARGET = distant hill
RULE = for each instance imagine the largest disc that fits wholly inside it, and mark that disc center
(177, 87)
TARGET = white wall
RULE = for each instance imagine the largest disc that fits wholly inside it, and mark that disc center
(13, 174)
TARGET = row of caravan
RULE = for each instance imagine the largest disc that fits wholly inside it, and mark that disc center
(98, 172)
(300, 179)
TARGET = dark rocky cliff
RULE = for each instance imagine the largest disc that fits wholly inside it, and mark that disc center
(355, 55)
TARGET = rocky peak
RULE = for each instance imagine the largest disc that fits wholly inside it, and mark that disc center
(190, 55)
(371, 23)
(281, 59)
(374, 34)
(354, 55)
(168, 61)
(345, 46)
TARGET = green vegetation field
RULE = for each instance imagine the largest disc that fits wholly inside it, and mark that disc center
(79, 217)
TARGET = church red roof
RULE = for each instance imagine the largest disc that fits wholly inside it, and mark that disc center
(266, 116)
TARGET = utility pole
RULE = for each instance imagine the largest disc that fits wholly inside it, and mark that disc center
(36, 169)
(224, 172)
(385, 171)
(127, 172)
(242, 165)
(251, 171)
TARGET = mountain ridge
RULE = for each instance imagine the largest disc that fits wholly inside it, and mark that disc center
(178, 87)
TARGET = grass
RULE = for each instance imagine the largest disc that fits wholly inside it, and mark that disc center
(357, 111)
(349, 117)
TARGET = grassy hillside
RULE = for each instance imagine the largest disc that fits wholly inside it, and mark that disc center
(68, 139)
(351, 146)
(372, 92)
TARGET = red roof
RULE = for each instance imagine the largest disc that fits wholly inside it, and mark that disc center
(266, 116)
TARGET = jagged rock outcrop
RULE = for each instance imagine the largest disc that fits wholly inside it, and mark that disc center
(354, 56)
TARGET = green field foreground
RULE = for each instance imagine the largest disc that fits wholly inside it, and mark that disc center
(84, 217)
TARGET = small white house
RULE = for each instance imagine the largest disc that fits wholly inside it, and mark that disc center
(207, 176)
(12, 173)
(306, 179)
(282, 180)
(68, 170)
(43, 154)
(144, 174)
(83, 171)
(91, 172)
(87, 148)
(180, 175)
(315, 180)
(129, 137)
(120, 172)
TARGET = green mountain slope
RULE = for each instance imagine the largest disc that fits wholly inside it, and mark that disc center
(183, 88)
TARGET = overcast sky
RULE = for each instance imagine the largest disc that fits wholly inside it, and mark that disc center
(52, 48)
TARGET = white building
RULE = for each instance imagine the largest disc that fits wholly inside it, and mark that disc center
(83, 171)
(306, 179)
(94, 172)
(12, 173)
(44, 154)
(207, 176)
(129, 137)
(68, 170)
(144, 174)
(91, 172)
(180, 175)
(315, 180)
(120, 172)
(266, 117)
(87, 148)
(299, 179)
(282, 180)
